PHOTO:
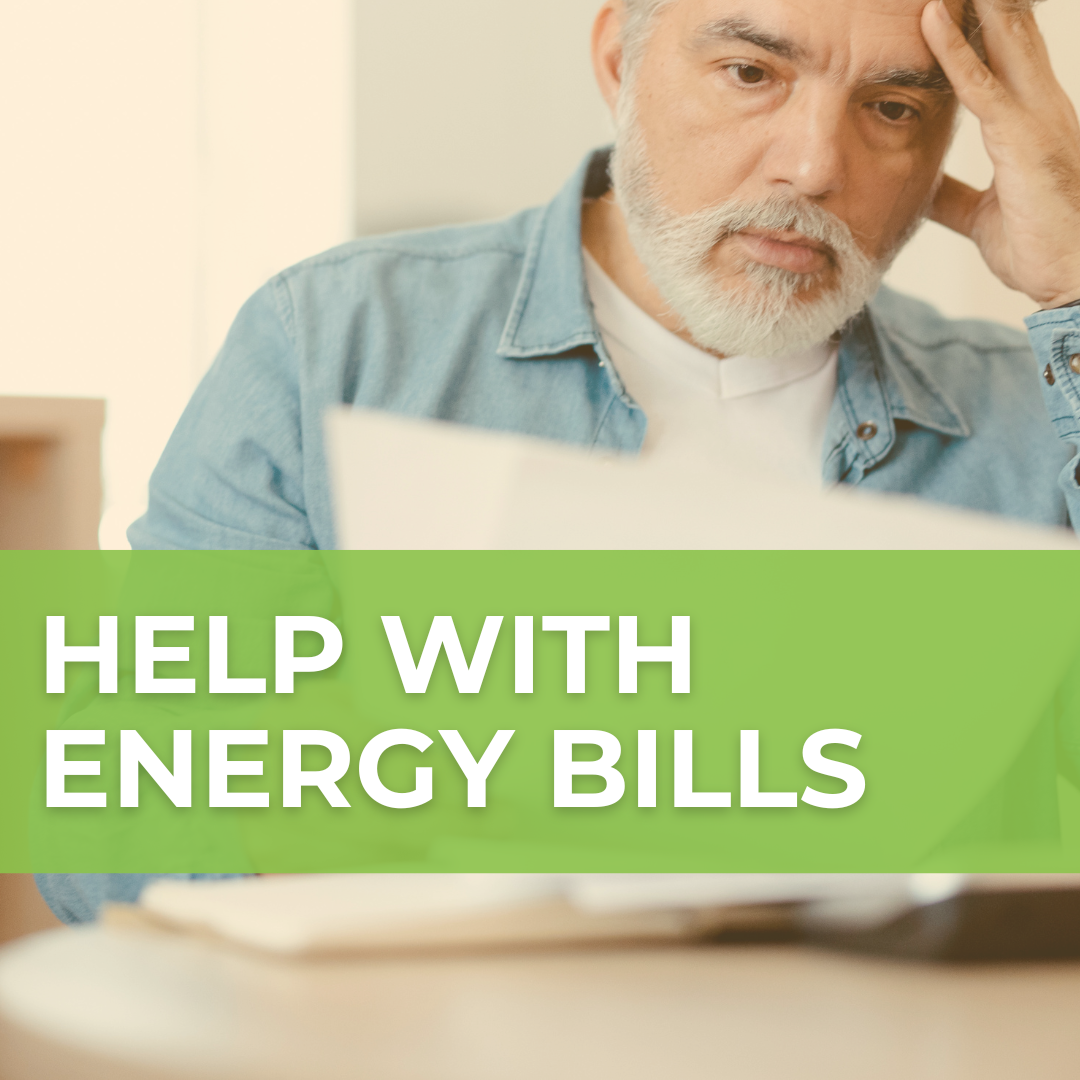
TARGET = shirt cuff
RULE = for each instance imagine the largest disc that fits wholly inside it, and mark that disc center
(79, 898)
(1055, 337)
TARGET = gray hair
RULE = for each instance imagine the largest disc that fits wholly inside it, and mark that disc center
(639, 15)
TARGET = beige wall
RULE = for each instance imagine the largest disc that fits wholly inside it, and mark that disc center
(98, 197)
(470, 109)
(161, 160)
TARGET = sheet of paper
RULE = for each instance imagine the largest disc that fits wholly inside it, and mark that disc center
(370, 913)
(313, 914)
(638, 892)
(316, 911)
(403, 484)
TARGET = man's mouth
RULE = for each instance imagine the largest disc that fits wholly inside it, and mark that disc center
(784, 249)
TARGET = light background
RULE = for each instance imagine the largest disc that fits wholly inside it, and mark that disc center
(163, 159)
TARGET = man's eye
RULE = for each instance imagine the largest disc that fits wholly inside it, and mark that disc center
(748, 74)
(895, 111)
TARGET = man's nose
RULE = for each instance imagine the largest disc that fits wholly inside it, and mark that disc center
(805, 150)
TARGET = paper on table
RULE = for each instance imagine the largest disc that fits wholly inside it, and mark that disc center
(372, 913)
(403, 484)
(318, 912)
(626, 892)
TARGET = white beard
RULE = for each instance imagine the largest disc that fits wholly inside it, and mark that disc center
(764, 317)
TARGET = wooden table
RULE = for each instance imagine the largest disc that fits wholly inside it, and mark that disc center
(123, 1004)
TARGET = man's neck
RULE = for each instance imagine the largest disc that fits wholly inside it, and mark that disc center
(606, 238)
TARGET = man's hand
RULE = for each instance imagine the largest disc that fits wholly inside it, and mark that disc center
(1027, 225)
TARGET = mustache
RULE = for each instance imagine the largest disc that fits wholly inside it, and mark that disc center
(713, 225)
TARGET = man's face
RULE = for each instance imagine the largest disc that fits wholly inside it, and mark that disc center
(827, 105)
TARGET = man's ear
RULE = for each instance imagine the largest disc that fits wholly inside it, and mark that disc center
(607, 51)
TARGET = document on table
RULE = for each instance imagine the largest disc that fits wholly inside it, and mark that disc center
(374, 913)
(311, 915)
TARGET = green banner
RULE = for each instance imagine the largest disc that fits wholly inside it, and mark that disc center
(539, 711)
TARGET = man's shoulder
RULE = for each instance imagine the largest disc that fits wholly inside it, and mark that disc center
(368, 255)
(924, 328)
(390, 283)
(968, 359)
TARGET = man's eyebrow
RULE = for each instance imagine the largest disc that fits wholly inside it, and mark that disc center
(933, 79)
(741, 29)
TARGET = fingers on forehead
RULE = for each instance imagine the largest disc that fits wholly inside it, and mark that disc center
(1015, 46)
(1010, 8)
(980, 11)
(975, 84)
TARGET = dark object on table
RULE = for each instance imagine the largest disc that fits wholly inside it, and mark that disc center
(973, 926)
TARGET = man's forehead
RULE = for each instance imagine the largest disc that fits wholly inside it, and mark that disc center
(886, 10)
(872, 33)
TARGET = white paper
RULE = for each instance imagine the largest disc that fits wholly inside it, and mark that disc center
(403, 484)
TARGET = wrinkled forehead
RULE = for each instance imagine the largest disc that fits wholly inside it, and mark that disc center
(847, 39)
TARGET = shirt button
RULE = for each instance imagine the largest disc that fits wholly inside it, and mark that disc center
(1048, 375)
(866, 431)
(1074, 363)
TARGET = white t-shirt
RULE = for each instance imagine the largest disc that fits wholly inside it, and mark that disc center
(768, 414)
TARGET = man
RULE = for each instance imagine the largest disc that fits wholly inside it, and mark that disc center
(771, 159)
(710, 290)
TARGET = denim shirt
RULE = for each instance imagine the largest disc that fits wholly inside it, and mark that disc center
(491, 325)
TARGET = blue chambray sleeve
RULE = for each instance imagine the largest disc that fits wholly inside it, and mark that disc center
(232, 474)
(1055, 337)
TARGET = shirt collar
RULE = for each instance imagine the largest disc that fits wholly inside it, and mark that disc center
(881, 379)
(551, 313)
(913, 392)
